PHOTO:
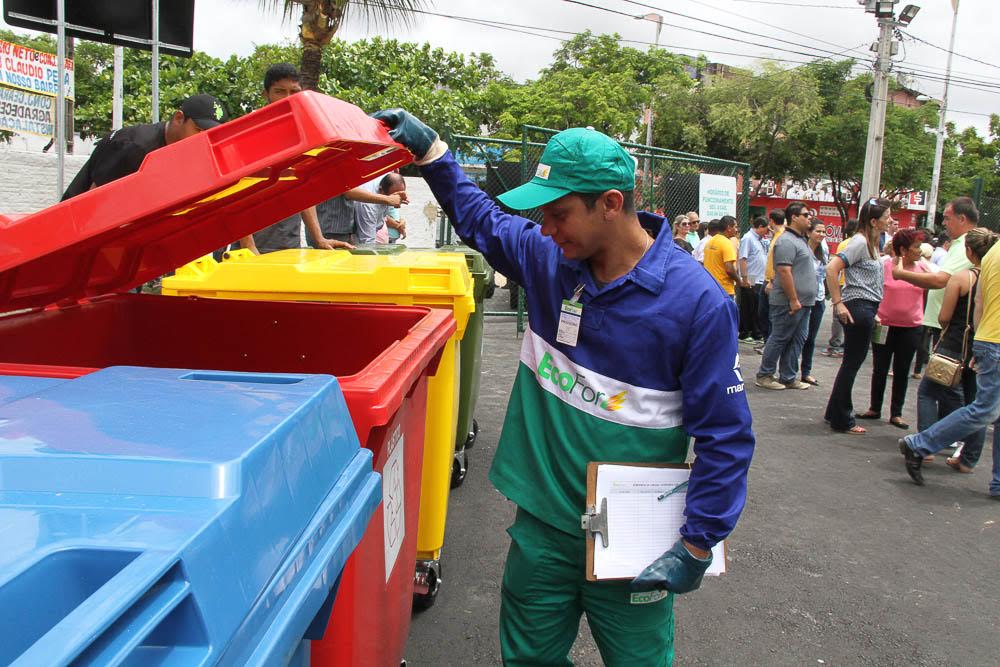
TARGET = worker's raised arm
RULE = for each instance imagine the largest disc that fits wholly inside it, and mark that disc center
(509, 242)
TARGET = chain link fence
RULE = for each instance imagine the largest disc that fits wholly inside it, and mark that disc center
(667, 183)
(989, 212)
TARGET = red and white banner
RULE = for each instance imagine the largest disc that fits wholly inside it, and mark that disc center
(33, 71)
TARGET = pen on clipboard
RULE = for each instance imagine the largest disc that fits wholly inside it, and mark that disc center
(667, 494)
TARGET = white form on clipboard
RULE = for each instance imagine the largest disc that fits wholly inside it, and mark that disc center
(640, 527)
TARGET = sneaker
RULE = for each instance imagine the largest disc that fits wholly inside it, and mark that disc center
(836, 353)
(796, 384)
(747, 339)
(913, 462)
(769, 383)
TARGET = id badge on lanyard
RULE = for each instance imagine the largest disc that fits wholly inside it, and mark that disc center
(570, 315)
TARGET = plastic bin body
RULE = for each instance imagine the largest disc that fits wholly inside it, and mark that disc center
(471, 353)
(382, 356)
(471, 348)
(174, 517)
(424, 279)
(185, 200)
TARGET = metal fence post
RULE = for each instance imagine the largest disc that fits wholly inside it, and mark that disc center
(977, 191)
(744, 209)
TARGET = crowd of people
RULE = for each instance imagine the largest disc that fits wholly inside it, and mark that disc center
(922, 306)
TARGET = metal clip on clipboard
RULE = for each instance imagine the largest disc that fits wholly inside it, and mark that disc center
(595, 522)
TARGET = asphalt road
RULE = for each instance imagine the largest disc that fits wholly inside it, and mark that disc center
(838, 559)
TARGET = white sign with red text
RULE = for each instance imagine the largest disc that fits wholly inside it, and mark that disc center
(33, 71)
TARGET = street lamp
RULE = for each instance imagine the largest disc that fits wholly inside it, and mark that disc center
(884, 9)
(908, 13)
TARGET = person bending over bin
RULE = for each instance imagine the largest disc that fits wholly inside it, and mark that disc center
(652, 362)
(121, 153)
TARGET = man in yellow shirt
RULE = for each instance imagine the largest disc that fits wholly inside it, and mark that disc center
(720, 255)
(985, 409)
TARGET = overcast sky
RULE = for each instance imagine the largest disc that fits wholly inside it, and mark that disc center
(224, 27)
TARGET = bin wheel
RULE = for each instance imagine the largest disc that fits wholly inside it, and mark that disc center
(470, 441)
(426, 600)
(459, 469)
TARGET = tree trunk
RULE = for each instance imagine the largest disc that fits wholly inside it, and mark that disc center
(312, 59)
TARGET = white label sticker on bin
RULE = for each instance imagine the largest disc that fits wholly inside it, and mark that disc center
(393, 501)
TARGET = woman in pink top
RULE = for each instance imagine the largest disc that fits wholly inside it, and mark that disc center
(902, 311)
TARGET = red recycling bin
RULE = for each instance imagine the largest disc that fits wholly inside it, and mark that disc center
(68, 269)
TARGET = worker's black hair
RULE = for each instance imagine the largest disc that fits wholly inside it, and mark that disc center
(279, 72)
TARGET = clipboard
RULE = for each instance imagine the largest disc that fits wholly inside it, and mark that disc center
(595, 522)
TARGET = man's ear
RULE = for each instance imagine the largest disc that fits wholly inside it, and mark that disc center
(613, 203)
(178, 117)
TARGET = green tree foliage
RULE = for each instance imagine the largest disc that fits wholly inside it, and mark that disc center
(754, 116)
(451, 92)
(321, 19)
(968, 156)
(594, 81)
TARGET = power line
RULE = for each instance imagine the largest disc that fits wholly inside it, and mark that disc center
(705, 32)
(524, 29)
(794, 4)
(530, 31)
(960, 55)
(759, 22)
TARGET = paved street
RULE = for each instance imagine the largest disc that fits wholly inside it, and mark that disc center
(838, 560)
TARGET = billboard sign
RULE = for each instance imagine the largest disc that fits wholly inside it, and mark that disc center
(33, 71)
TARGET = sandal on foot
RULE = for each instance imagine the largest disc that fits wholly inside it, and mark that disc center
(854, 430)
(809, 379)
(957, 465)
(899, 423)
(867, 415)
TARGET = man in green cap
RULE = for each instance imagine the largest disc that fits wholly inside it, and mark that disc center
(630, 353)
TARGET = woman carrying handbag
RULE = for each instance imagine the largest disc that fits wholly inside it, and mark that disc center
(939, 394)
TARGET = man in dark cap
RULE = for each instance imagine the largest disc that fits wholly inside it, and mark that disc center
(122, 152)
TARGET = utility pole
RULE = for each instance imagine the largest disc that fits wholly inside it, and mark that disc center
(116, 99)
(658, 20)
(939, 149)
(872, 178)
(885, 13)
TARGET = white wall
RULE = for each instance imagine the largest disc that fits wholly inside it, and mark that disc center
(29, 182)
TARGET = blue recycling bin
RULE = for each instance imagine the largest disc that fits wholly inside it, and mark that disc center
(171, 517)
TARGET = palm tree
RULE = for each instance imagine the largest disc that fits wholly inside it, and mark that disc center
(322, 18)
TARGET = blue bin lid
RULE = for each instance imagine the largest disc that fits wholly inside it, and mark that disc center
(199, 517)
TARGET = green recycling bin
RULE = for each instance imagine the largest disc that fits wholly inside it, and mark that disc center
(470, 348)
(471, 354)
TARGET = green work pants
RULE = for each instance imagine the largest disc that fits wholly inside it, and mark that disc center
(545, 591)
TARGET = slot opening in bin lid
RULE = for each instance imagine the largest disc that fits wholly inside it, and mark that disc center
(190, 198)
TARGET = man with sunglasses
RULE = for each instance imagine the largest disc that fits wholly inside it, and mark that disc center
(792, 295)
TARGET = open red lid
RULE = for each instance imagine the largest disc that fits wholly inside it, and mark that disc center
(192, 197)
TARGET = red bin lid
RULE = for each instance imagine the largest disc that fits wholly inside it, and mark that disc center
(192, 197)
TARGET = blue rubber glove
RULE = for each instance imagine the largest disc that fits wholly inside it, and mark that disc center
(408, 130)
(677, 571)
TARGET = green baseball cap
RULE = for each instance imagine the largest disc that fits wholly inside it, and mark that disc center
(575, 160)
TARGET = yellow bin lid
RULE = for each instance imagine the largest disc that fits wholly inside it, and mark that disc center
(438, 280)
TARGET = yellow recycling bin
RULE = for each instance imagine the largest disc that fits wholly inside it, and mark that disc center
(440, 280)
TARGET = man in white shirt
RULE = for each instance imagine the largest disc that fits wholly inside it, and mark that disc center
(699, 250)
(752, 261)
